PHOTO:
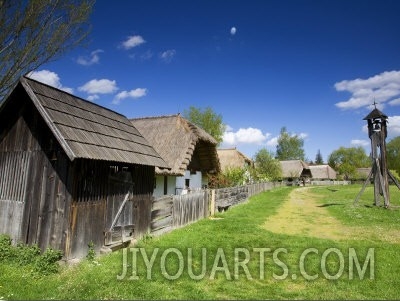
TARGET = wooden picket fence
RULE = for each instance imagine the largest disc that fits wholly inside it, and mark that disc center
(174, 211)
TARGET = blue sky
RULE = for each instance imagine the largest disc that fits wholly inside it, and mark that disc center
(314, 67)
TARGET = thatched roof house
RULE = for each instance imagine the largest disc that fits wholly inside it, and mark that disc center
(295, 169)
(185, 147)
(322, 172)
(232, 158)
(66, 166)
(180, 143)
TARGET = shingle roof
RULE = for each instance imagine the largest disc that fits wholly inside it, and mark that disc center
(86, 130)
(375, 113)
(177, 141)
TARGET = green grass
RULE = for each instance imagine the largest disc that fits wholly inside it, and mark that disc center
(363, 213)
(240, 227)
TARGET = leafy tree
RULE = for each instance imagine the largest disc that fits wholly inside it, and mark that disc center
(347, 160)
(34, 32)
(208, 120)
(266, 167)
(318, 158)
(230, 177)
(290, 147)
(393, 154)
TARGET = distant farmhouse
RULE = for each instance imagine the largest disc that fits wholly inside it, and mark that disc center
(322, 172)
(232, 158)
(294, 171)
(71, 172)
(189, 150)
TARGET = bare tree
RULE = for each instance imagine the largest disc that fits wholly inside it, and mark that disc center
(34, 32)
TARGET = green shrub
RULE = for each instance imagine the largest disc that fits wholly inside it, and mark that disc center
(46, 263)
(26, 254)
(7, 251)
(91, 255)
(23, 255)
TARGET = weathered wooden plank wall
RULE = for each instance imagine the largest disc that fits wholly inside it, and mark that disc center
(11, 214)
(84, 215)
(174, 211)
(33, 195)
(260, 187)
(161, 215)
(189, 208)
(13, 191)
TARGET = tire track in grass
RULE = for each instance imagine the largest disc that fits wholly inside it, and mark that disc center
(302, 215)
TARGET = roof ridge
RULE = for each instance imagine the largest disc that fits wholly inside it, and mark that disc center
(72, 95)
(154, 117)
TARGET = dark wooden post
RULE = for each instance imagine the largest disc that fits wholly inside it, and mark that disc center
(377, 131)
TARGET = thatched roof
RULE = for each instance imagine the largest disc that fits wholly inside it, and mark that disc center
(232, 158)
(86, 130)
(322, 172)
(294, 169)
(180, 143)
(364, 171)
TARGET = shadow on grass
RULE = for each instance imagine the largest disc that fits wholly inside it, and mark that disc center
(331, 204)
(332, 189)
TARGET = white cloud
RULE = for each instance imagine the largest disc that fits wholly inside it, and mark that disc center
(252, 136)
(132, 41)
(380, 88)
(357, 142)
(244, 136)
(50, 78)
(393, 126)
(302, 135)
(395, 102)
(233, 31)
(273, 141)
(101, 86)
(136, 93)
(93, 59)
(93, 97)
(168, 55)
(228, 128)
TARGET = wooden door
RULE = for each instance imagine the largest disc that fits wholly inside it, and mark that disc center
(121, 209)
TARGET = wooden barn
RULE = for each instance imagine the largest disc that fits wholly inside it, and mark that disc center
(71, 172)
(189, 150)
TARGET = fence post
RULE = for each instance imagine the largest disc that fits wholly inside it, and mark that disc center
(212, 203)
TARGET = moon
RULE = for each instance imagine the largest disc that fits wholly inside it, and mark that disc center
(233, 31)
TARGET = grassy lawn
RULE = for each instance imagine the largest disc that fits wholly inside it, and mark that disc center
(268, 264)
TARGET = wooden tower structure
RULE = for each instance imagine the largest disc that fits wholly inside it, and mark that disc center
(377, 132)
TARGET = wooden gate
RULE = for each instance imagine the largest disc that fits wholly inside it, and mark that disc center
(120, 209)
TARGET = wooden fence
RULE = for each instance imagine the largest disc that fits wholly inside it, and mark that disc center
(331, 182)
(174, 211)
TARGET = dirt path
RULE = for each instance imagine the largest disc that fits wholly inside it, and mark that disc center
(302, 215)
